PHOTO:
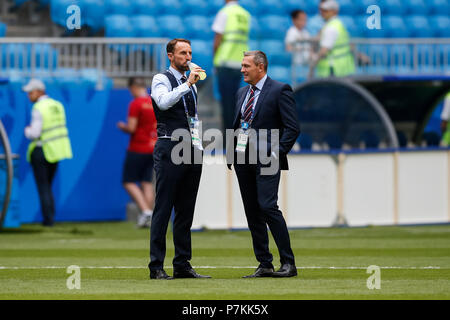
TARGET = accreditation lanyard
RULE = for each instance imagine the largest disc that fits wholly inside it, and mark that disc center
(193, 122)
(243, 130)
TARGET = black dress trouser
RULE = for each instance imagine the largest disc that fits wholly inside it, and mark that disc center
(260, 195)
(44, 172)
(176, 187)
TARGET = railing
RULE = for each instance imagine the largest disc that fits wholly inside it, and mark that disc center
(59, 57)
(397, 56)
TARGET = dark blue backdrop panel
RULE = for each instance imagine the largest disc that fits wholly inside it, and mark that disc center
(87, 187)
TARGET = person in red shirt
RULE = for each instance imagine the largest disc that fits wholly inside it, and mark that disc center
(138, 166)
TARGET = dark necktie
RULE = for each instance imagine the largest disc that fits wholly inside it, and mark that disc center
(248, 110)
(189, 98)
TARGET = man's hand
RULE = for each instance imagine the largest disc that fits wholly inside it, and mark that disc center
(194, 76)
(122, 125)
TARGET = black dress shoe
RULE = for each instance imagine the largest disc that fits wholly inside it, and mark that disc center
(261, 272)
(189, 273)
(286, 270)
(159, 274)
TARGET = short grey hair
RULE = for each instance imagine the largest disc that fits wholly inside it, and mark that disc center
(258, 57)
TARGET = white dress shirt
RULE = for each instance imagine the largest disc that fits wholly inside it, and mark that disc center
(34, 130)
(163, 93)
(259, 85)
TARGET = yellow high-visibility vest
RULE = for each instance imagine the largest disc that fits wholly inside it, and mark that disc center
(54, 137)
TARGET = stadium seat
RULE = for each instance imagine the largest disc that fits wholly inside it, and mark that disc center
(170, 7)
(350, 25)
(370, 139)
(118, 26)
(274, 27)
(396, 27)
(280, 73)
(419, 26)
(426, 57)
(251, 6)
(94, 14)
(441, 25)
(276, 52)
(305, 141)
(3, 28)
(314, 24)
(439, 7)
(364, 4)
(393, 7)
(145, 7)
(347, 7)
(443, 55)
(122, 7)
(431, 138)
(402, 139)
(202, 54)
(45, 56)
(417, 7)
(171, 26)
(255, 29)
(195, 7)
(67, 77)
(90, 77)
(274, 7)
(333, 140)
(214, 6)
(401, 56)
(144, 26)
(254, 45)
(198, 27)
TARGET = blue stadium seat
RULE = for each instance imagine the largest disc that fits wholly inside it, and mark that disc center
(348, 7)
(255, 29)
(251, 6)
(90, 77)
(276, 52)
(145, 7)
(275, 7)
(441, 25)
(45, 56)
(401, 55)
(202, 54)
(214, 6)
(171, 26)
(58, 10)
(439, 7)
(333, 140)
(254, 45)
(396, 27)
(144, 26)
(274, 27)
(3, 28)
(67, 77)
(14, 55)
(280, 73)
(431, 138)
(118, 26)
(419, 26)
(305, 141)
(351, 26)
(314, 24)
(364, 4)
(443, 55)
(417, 7)
(122, 7)
(370, 139)
(195, 7)
(93, 14)
(198, 27)
(170, 7)
(393, 7)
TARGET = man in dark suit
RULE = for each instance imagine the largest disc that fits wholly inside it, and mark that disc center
(270, 105)
(174, 97)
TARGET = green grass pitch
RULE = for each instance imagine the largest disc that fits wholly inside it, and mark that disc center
(332, 262)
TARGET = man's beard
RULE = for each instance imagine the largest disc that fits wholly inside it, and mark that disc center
(182, 67)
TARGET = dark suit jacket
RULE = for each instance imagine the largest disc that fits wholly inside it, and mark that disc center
(275, 109)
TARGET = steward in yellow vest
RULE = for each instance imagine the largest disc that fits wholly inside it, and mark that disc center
(50, 143)
(335, 57)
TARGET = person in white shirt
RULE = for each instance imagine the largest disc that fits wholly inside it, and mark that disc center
(295, 35)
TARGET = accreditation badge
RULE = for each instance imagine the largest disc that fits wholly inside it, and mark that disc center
(194, 125)
(242, 140)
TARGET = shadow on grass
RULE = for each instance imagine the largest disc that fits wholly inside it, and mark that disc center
(41, 229)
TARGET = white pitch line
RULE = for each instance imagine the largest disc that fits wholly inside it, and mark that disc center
(221, 267)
